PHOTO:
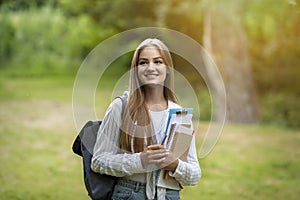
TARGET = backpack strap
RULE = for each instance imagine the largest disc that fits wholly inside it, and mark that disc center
(123, 98)
(92, 127)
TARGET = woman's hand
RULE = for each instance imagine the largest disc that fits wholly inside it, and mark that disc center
(153, 154)
(158, 155)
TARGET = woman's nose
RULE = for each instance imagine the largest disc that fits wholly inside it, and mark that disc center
(150, 66)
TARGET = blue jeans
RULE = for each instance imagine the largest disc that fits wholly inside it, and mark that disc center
(131, 190)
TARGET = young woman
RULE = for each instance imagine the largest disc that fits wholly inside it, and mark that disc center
(129, 140)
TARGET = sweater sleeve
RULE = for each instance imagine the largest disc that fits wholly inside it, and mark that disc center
(188, 172)
(107, 158)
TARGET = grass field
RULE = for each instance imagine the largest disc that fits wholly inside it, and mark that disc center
(37, 130)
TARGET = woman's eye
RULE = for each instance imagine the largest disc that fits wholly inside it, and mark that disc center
(158, 62)
(142, 63)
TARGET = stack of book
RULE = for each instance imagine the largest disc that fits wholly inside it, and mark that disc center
(178, 136)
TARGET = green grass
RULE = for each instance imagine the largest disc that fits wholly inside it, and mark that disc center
(251, 162)
(37, 130)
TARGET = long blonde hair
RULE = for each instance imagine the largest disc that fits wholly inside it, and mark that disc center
(137, 129)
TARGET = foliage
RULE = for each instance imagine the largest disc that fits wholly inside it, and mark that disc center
(16, 5)
(281, 109)
(121, 14)
(274, 44)
(45, 41)
(6, 42)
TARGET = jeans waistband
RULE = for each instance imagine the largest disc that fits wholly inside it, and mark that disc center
(131, 184)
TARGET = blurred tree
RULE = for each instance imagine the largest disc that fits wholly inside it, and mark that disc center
(226, 41)
(185, 17)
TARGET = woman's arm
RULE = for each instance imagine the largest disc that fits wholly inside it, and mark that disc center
(107, 158)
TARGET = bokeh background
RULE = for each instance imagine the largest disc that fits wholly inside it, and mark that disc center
(255, 44)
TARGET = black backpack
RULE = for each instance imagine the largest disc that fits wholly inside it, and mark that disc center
(98, 186)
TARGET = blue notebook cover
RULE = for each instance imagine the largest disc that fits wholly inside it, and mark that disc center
(178, 111)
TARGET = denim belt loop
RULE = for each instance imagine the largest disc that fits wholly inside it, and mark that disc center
(134, 185)
(137, 187)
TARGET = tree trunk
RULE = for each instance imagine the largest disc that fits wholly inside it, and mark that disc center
(226, 42)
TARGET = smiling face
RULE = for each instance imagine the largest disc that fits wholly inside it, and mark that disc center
(152, 69)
